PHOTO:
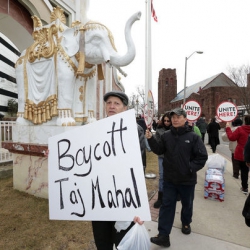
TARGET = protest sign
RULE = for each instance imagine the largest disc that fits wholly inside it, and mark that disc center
(227, 111)
(149, 110)
(193, 110)
(96, 172)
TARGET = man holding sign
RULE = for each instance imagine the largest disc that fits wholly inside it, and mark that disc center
(105, 233)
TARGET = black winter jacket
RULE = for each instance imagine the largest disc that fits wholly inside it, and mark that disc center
(142, 145)
(247, 151)
(184, 154)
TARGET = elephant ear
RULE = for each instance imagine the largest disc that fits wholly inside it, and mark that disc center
(70, 41)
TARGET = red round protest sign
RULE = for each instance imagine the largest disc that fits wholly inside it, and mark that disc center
(193, 110)
(227, 111)
(149, 110)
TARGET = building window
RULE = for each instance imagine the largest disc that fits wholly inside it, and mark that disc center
(166, 82)
(229, 99)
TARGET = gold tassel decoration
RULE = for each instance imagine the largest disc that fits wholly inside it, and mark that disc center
(26, 111)
(54, 108)
(44, 114)
(39, 118)
(48, 117)
(35, 115)
(30, 116)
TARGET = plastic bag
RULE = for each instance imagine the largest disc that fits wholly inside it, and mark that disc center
(136, 238)
(216, 161)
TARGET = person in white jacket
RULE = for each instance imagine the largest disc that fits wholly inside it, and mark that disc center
(232, 145)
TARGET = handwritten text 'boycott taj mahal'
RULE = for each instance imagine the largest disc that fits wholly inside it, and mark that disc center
(87, 158)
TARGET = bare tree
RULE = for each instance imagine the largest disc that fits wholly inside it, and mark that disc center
(239, 76)
(12, 107)
(138, 100)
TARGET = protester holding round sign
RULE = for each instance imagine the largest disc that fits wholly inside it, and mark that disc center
(193, 110)
(241, 136)
(227, 111)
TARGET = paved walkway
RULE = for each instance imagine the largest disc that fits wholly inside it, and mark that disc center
(216, 225)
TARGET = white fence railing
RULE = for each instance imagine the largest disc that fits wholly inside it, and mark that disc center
(5, 135)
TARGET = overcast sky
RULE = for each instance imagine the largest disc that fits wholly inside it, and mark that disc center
(219, 28)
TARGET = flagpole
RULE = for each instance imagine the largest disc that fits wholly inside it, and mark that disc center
(149, 48)
(146, 47)
(148, 65)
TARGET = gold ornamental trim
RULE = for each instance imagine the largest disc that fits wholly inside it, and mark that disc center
(57, 13)
(44, 44)
(37, 23)
(41, 112)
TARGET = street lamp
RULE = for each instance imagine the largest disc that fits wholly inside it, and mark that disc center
(185, 78)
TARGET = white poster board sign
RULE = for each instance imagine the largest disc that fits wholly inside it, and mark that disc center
(227, 111)
(96, 172)
(193, 110)
(149, 110)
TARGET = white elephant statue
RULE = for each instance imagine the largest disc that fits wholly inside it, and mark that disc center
(60, 56)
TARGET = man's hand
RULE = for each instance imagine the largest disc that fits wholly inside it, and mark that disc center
(138, 220)
(148, 134)
(248, 164)
(228, 124)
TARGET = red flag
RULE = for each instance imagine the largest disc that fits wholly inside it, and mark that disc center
(153, 12)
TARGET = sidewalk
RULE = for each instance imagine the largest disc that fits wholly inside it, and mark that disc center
(216, 225)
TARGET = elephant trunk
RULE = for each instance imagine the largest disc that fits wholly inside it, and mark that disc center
(120, 61)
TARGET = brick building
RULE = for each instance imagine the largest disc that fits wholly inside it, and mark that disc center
(209, 92)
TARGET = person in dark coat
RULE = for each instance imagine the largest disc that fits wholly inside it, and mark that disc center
(162, 127)
(213, 131)
(154, 125)
(247, 152)
(202, 125)
(142, 123)
(246, 211)
(184, 155)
